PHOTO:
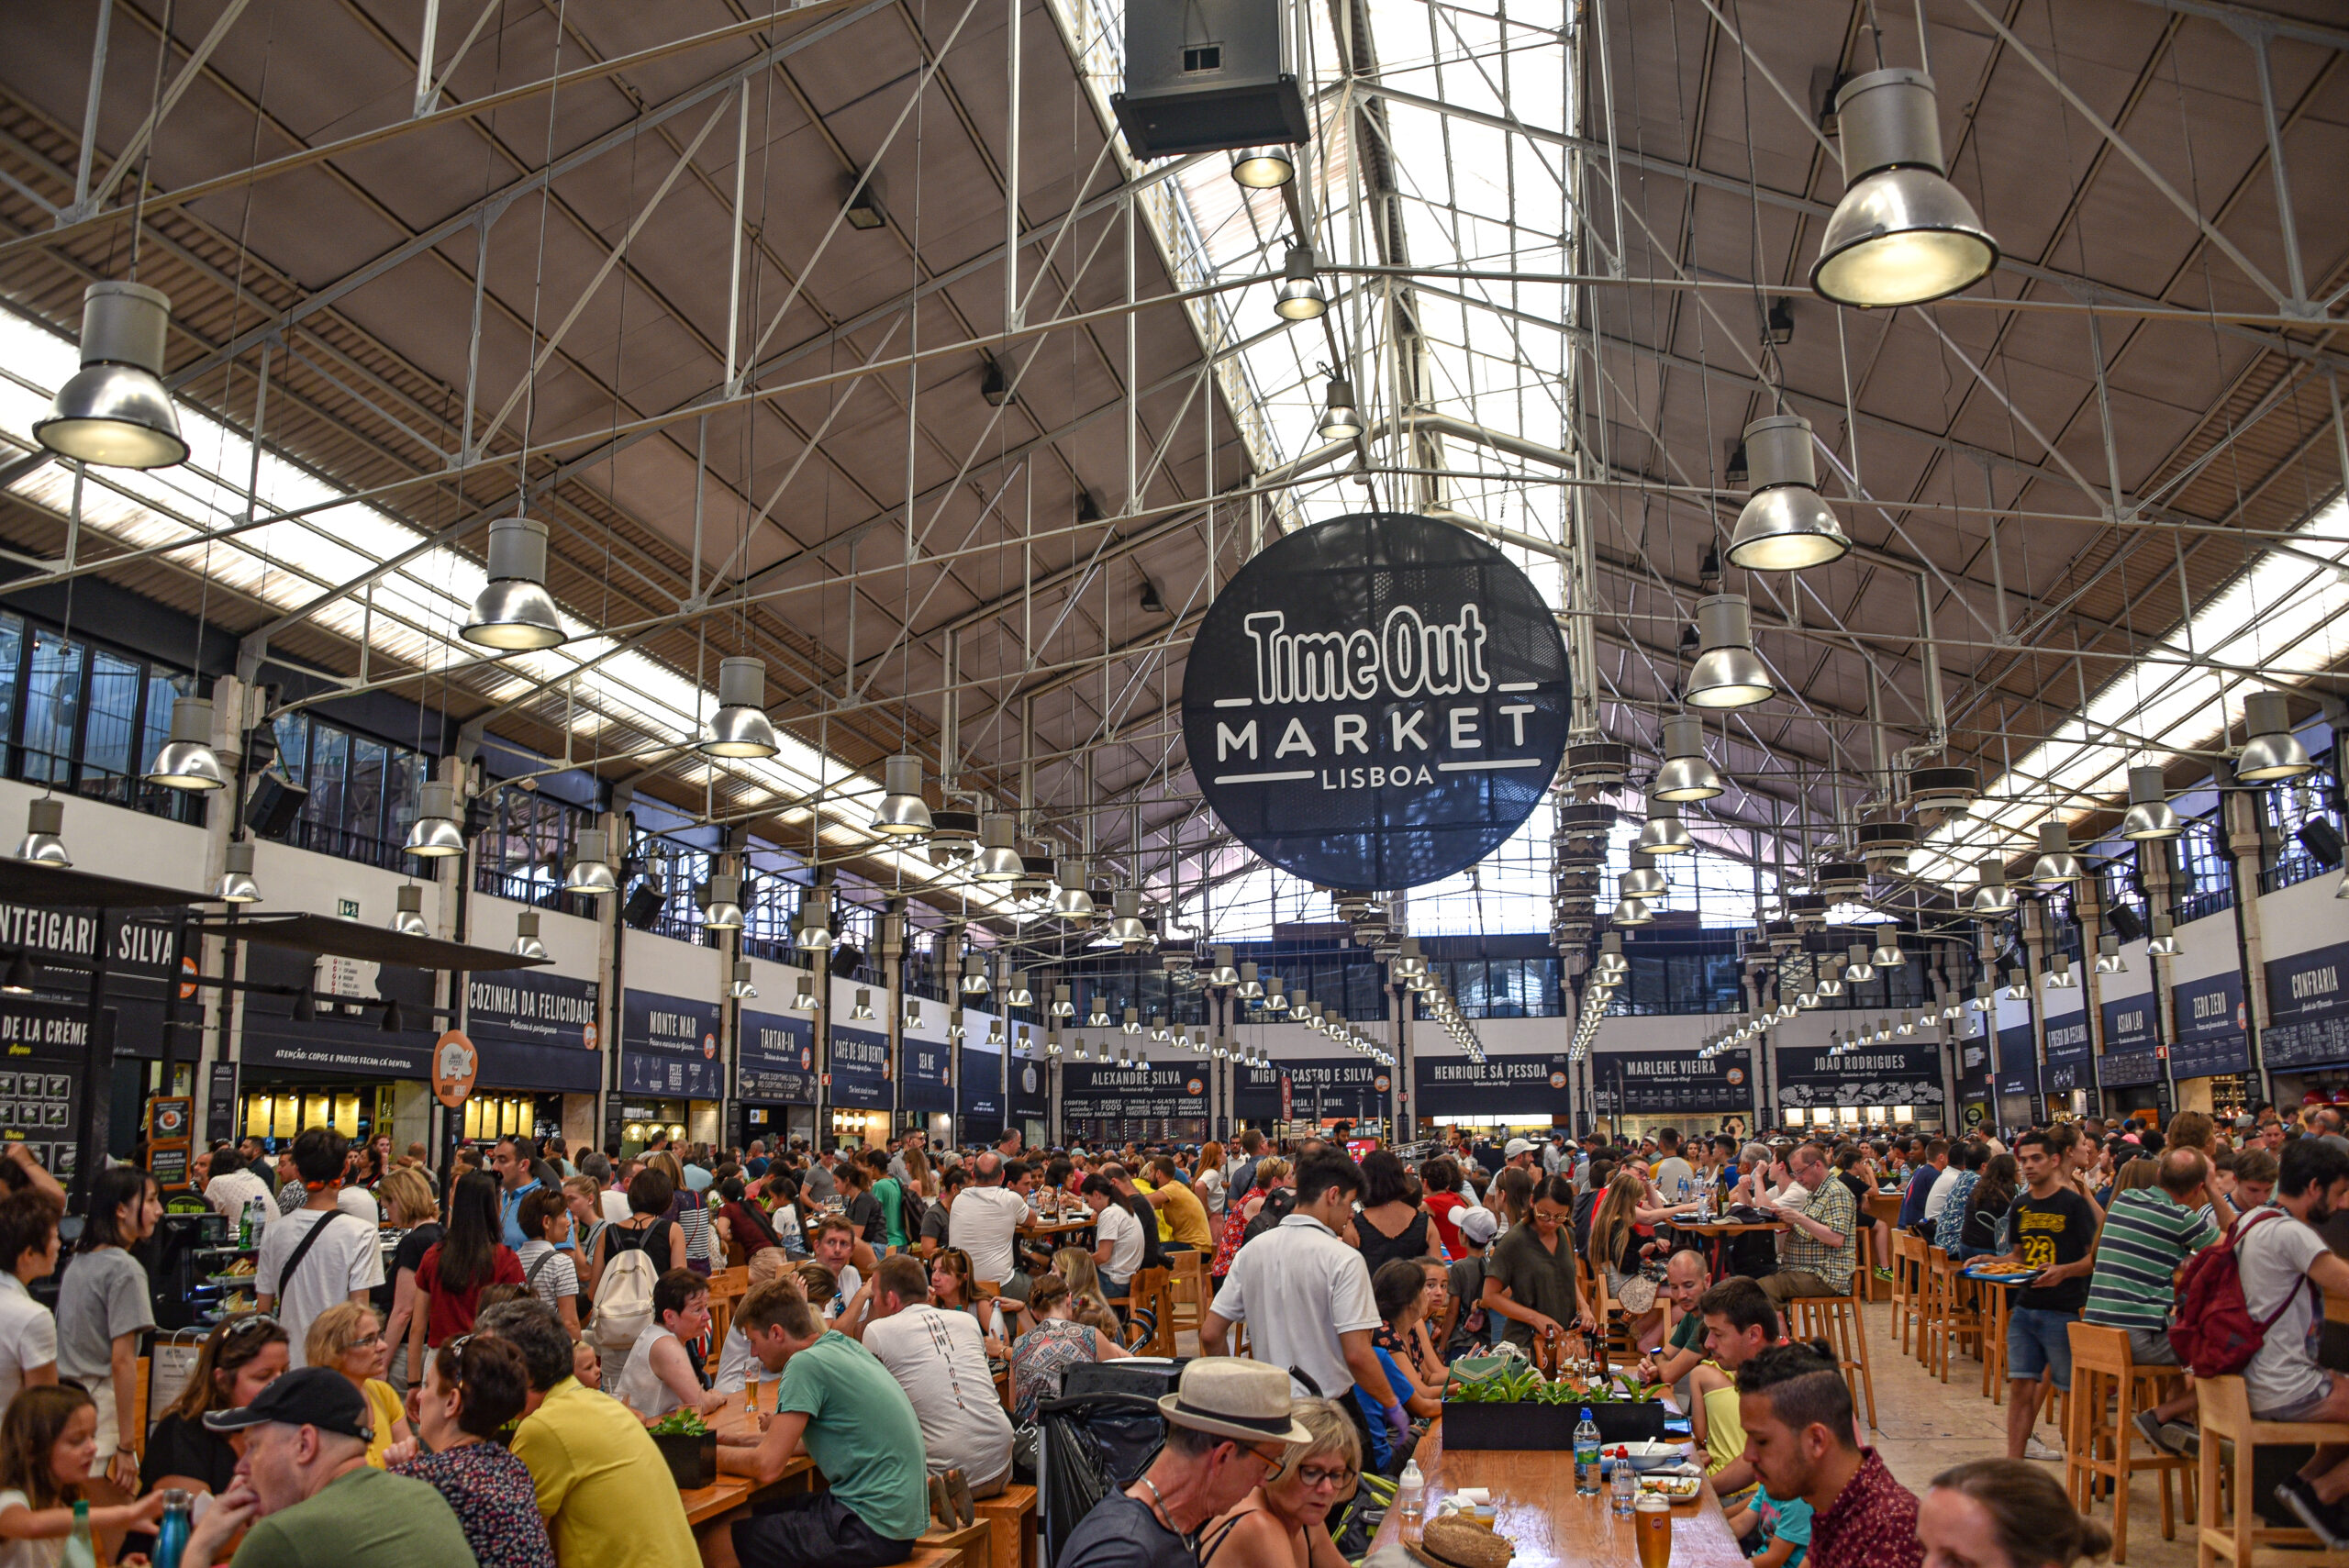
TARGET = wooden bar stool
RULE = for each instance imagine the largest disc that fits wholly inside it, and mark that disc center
(2225, 1414)
(1190, 1271)
(2095, 1448)
(1838, 1320)
(1952, 1317)
(1908, 1285)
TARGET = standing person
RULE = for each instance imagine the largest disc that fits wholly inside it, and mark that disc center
(469, 1394)
(454, 1270)
(103, 1305)
(1305, 1295)
(547, 1255)
(1242, 1175)
(837, 1401)
(1120, 1245)
(319, 1253)
(2051, 1227)
(28, 1251)
(1232, 1426)
(939, 1359)
(1995, 1513)
(1208, 1185)
(1440, 1179)
(1530, 1273)
(1472, 1326)
(232, 1189)
(1797, 1412)
(415, 1214)
(350, 1338)
(512, 1160)
(890, 1194)
(1391, 1224)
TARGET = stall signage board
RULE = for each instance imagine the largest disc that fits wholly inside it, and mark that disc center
(170, 1120)
(1030, 1092)
(220, 1102)
(669, 1047)
(1378, 700)
(1350, 1088)
(2213, 1033)
(860, 1068)
(2131, 1042)
(2070, 1054)
(45, 1050)
(980, 1073)
(1885, 1075)
(137, 950)
(1531, 1086)
(1091, 1091)
(2308, 1010)
(346, 1043)
(535, 1030)
(928, 1074)
(776, 1059)
(1670, 1082)
(2018, 1061)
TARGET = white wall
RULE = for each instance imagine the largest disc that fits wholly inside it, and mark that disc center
(574, 943)
(114, 840)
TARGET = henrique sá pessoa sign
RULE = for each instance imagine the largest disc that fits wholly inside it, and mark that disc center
(1376, 701)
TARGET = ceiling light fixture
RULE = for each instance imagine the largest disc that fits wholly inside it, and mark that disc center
(724, 910)
(1902, 234)
(44, 840)
(2273, 752)
(526, 933)
(1686, 773)
(1786, 526)
(514, 612)
(236, 885)
(1340, 420)
(1992, 896)
(902, 813)
(1728, 672)
(114, 412)
(864, 1008)
(2107, 955)
(186, 760)
(740, 727)
(2164, 942)
(2056, 864)
(1299, 296)
(1661, 833)
(997, 860)
(436, 833)
(1263, 168)
(407, 918)
(2150, 816)
(740, 988)
(590, 870)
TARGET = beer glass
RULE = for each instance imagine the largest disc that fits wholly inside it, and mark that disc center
(1651, 1526)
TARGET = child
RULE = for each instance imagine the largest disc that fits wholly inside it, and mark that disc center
(1472, 1325)
(660, 1376)
(48, 1440)
(1783, 1528)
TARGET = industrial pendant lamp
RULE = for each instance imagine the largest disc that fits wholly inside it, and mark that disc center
(803, 996)
(975, 975)
(2056, 864)
(407, 919)
(186, 760)
(740, 988)
(1830, 977)
(1887, 953)
(1126, 924)
(816, 920)
(1223, 974)
(526, 934)
(1661, 833)
(1275, 998)
(1299, 296)
(44, 842)
(912, 1018)
(514, 612)
(863, 1008)
(2273, 752)
(1785, 526)
(1069, 900)
(1097, 1017)
(740, 727)
(1079, 1050)
(591, 870)
(1642, 879)
(1017, 994)
(1610, 955)
(114, 412)
(1632, 912)
(21, 978)
(2164, 942)
(1132, 1022)
(2107, 955)
(1902, 234)
(1251, 988)
(436, 832)
(1686, 773)
(1858, 968)
(902, 814)
(1728, 672)
(1263, 168)
(997, 860)
(2150, 816)
(2059, 974)
(2018, 985)
(237, 884)
(1340, 420)
(1992, 896)
(724, 910)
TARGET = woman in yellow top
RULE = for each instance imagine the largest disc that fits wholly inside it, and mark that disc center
(349, 1337)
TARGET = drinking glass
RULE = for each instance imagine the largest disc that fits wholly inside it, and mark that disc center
(1651, 1526)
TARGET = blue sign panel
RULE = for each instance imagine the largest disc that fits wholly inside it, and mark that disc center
(2308, 1010)
(1501, 1085)
(1352, 1087)
(2070, 1055)
(859, 1066)
(535, 1030)
(1106, 1091)
(777, 1059)
(1886, 1074)
(928, 1085)
(2131, 1042)
(1031, 1095)
(2018, 1061)
(669, 1047)
(2212, 1035)
(981, 1075)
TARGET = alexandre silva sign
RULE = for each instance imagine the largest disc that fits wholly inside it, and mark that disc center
(1377, 701)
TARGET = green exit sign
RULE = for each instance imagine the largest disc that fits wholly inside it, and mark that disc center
(346, 908)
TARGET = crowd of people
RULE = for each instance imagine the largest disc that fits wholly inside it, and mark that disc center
(463, 1363)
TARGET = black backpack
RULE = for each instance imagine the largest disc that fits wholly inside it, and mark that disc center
(1279, 1204)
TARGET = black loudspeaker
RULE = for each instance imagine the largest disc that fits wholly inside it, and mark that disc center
(643, 905)
(2320, 838)
(274, 806)
(2125, 924)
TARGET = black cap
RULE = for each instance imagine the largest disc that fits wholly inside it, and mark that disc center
(312, 1397)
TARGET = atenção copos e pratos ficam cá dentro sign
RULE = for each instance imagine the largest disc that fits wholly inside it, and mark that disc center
(1377, 701)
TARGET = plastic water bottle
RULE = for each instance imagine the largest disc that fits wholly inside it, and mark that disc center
(1627, 1482)
(79, 1550)
(1586, 1456)
(1410, 1490)
(171, 1530)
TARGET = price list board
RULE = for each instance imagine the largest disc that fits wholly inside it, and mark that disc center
(2317, 1043)
(2308, 1010)
(2127, 1069)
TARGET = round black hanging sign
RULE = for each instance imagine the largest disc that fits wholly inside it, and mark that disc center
(1376, 701)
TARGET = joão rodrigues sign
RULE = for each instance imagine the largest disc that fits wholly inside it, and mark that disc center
(1377, 701)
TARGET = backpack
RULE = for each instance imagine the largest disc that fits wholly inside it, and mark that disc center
(624, 1298)
(1280, 1203)
(2215, 1334)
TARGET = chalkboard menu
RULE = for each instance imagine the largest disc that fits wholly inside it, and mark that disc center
(2212, 1035)
(2307, 1009)
(859, 1064)
(44, 1055)
(2017, 1062)
(2131, 1042)
(1098, 1091)
(1671, 1083)
(2070, 1055)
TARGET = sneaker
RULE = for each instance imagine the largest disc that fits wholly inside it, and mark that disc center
(2325, 1518)
(2183, 1438)
(2155, 1431)
(1885, 1275)
(2034, 1449)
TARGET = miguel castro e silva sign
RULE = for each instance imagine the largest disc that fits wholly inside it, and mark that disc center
(1376, 701)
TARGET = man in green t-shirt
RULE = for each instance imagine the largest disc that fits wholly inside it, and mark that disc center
(838, 1403)
(305, 1487)
(1685, 1277)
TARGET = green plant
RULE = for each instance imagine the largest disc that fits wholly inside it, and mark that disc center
(679, 1423)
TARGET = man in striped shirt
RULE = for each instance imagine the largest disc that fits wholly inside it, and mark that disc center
(2149, 1232)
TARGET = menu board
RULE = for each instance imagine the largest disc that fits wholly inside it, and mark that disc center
(860, 1069)
(2071, 1055)
(2212, 1027)
(2131, 1042)
(44, 1054)
(669, 1047)
(775, 1059)
(1671, 1083)
(1348, 1088)
(1097, 1090)
(2307, 1009)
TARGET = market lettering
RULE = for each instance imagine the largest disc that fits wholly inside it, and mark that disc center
(2211, 1005)
(51, 930)
(147, 945)
(2316, 982)
(26, 1030)
(1407, 656)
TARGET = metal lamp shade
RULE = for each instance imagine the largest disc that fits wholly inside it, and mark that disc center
(237, 884)
(114, 411)
(44, 840)
(1686, 773)
(408, 918)
(1263, 168)
(1902, 234)
(1340, 420)
(903, 814)
(2150, 817)
(1856, 967)
(1663, 833)
(2056, 866)
(1642, 879)
(1785, 526)
(1275, 998)
(740, 989)
(514, 612)
(1126, 924)
(724, 912)
(996, 860)
(2060, 976)
(1991, 894)
(435, 833)
(863, 1008)
(526, 935)
(974, 975)
(2273, 752)
(591, 870)
(1299, 296)
(1069, 900)
(740, 728)
(1632, 912)
(186, 760)
(1728, 672)
(1017, 994)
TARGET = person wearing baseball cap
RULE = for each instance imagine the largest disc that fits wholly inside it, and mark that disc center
(1518, 1152)
(1468, 1329)
(1230, 1427)
(304, 1492)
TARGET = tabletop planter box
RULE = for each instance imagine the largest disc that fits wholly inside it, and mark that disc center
(1531, 1424)
(692, 1457)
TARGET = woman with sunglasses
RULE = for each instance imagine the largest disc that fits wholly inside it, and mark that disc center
(349, 1337)
(1284, 1523)
(239, 1358)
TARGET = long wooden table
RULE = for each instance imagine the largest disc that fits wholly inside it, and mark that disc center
(1533, 1493)
(704, 1504)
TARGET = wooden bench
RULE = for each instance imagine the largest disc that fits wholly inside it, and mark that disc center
(1011, 1516)
(970, 1544)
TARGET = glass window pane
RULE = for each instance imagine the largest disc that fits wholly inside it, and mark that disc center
(329, 762)
(362, 801)
(404, 772)
(292, 731)
(52, 708)
(108, 737)
(12, 652)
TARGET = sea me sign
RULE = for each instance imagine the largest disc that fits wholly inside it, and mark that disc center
(1377, 701)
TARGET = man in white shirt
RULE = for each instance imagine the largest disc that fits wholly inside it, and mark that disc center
(233, 1187)
(1118, 1242)
(1306, 1296)
(2285, 1266)
(985, 1222)
(1937, 1199)
(940, 1361)
(1671, 1170)
(343, 1263)
(28, 1248)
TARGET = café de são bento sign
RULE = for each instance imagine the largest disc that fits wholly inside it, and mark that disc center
(1377, 701)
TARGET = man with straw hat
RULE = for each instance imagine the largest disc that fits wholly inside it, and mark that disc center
(1228, 1430)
